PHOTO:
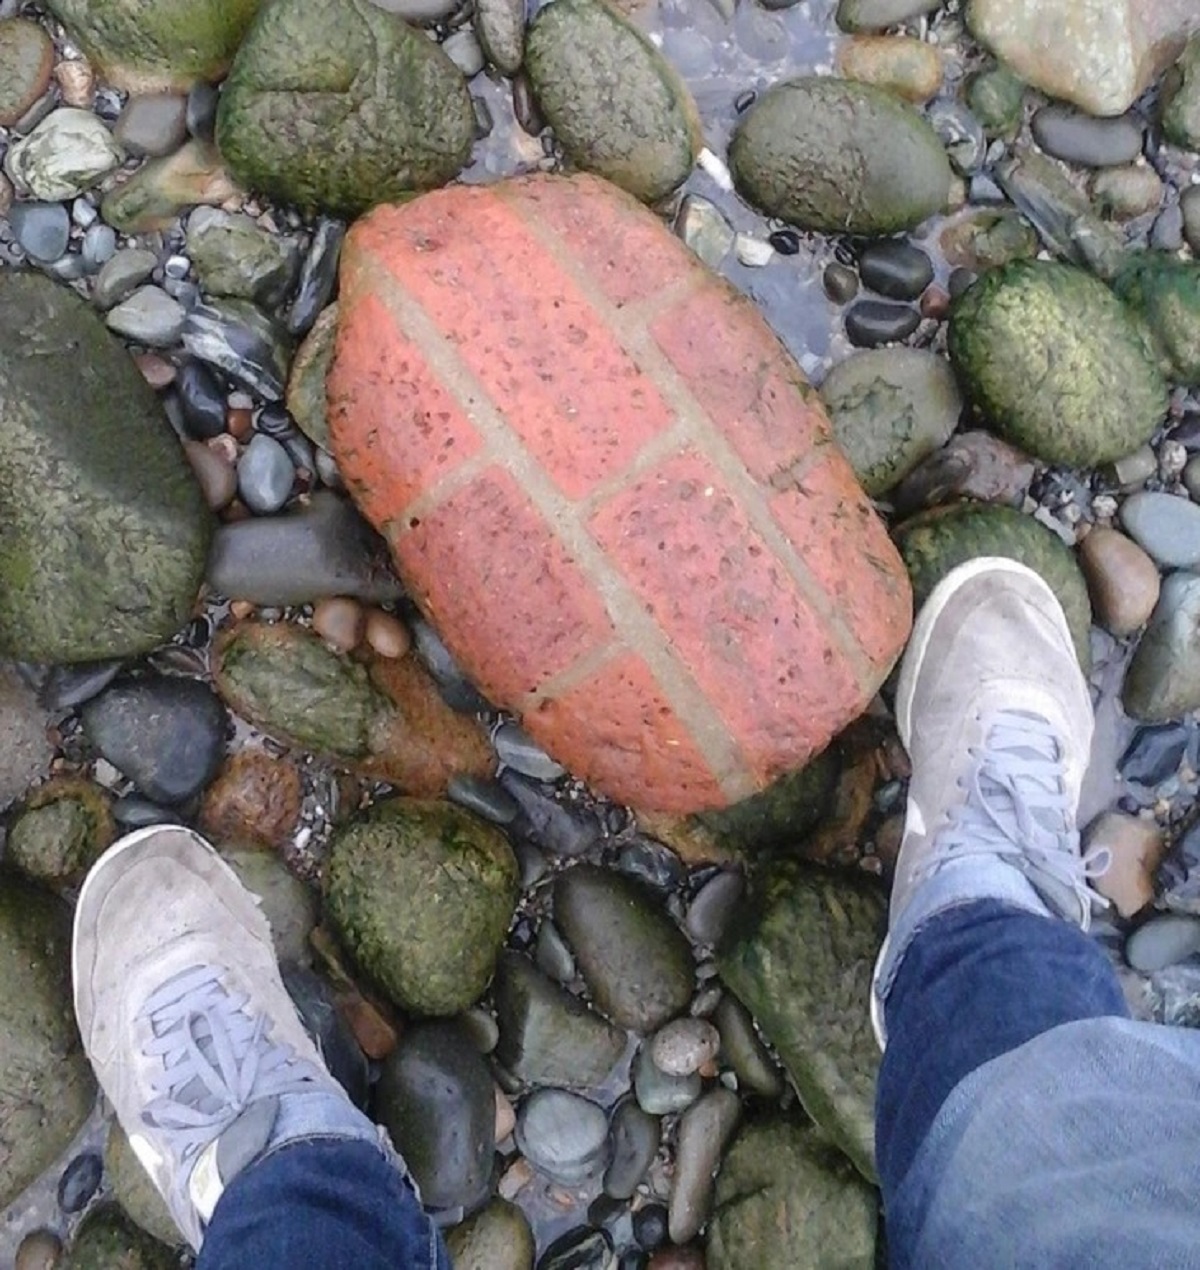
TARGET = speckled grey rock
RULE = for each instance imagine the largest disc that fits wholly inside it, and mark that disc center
(67, 153)
(234, 256)
(150, 316)
(800, 957)
(500, 26)
(122, 275)
(107, 560)
(563, 1135)
(42, 229)
(658, 1093)
(266, 475)
(153, 124)
(1165, 526)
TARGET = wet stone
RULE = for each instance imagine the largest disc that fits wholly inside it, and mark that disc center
(42, 229)
(581, 1249)
(1165, 526)
(552, 954)
(166, 735)
(234, 256)
(239, 339)
(79, 1182)
(709, 912)
(895, 269)
(154, 124)
(26, 59)
(122, 275)
(318, 275)
(149, 317)
(134, 812)
(650, 1226)
(255, 799)
(435, 1098)
(877, 15)
(995, 98)
(563, 1135)
(266, 475)
(548, 823)
(1154, 753)
(60, 831)
(67, 153)
(515, 748)
(1163, 941)
(1122, 580)
(1163, 680)
(870, 323)
(66, 687)
(547, 1035)
(743, 1050)
(657, 1092)
(634, 1136)
(486, 798)
(201, 111)
(500, 26)
(908, 67)
(684, 1046)
(1129, 192)
(1189, 206)
(98, 247)
(703, 1132)
(498, 1237)
(317, 1004)
(1079, 138)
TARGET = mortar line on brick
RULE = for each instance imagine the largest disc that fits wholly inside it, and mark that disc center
(585, 665)
(448, 484)
(640, 345)
(663, 446)
(645, 311)
(700, 717)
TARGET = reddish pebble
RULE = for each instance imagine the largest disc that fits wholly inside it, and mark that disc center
(156, 371)
(686, 1258)
(935, 302)
(240, 609)
(240, 422)
(339, 622)
(387, 635)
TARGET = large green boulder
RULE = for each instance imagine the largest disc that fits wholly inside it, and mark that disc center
(340, 105)
(103, 528)
(46, 1085)
(1181, 99)
(422, 894)
(1055, 364)
(799, 956)
(107, 1241)
(934, 542)
(615, 103)
(60, 831)
(153, 45)
(787, 1200)
(841, 157)
(136, 1194)
(1163, 294)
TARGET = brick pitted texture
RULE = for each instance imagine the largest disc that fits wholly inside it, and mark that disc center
(610, 488)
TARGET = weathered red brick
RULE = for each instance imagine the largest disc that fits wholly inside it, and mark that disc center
(492, 576)
(730, 608)
(619, 728)
(409, 430)
(758, 399)
(656, 553)
(530, 338)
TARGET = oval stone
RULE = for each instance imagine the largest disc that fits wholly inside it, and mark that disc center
(670, 571)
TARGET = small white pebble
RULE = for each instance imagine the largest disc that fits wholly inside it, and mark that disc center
(715, 166)
(753, 252)
(1172, 459)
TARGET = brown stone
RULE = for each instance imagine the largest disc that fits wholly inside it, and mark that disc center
(688, 1257)
(387, 635)
(26, 60)
(1122, 580)
(340, 622)
(899, 64)
(1137, 848)
(256, 798)
(610, 488)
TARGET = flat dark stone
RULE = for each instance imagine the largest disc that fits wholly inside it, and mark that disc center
(79, 1182)
(1155, 753)
(895, 269)
(870, 323)
(202, 399)
(1075, 137)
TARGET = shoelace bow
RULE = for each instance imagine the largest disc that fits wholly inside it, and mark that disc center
(1017, 808)
(216, 1058)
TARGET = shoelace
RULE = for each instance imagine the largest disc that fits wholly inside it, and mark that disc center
(216, 1059)
(1017, 808)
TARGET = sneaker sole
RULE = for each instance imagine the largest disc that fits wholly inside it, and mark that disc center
(98, 873)
(931, 610)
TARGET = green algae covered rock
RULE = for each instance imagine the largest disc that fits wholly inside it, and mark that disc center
(46, 1084)
(1055, 364)
(422, 894)
(799, 956)
(340, 105)
(103, 528)
(1181, 99)
(107, 1241)
(787, 1200)
(154, 45)
(615, 103)
(61, 831)
(831, 155)
(497, 1237)
(1163, 294)
(934, 542)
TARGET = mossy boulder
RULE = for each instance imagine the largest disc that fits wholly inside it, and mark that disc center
(890, 408)
(155, 45)
(1163, 294)
(422, 894)
(103, 528)
(840, 157)
(498, 1237)
(615, 103)
(1181, 99)
(799, 955)
(108, 1241)
(1055, 364)
(934, 542)
(387, 720)
(46, 1084)
(786, 1199)
(341, 105)
(60, 831)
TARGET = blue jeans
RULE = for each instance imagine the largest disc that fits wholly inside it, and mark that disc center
(1023, 1120)
(326, 1204)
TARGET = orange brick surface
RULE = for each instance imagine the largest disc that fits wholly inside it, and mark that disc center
(610, 488)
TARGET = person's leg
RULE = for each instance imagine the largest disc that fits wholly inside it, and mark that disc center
(323, 1205)
(979, 981)
(226, 1100)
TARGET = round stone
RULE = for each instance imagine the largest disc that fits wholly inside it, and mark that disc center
(67, 153)
(895, 269)
(26, 59)
(684, 1046)
(41, 1250)
(870, 323)
(1162, 941)
(42, 229)
(563, 1135)
(266, 475)
(1165, 526)
(1079, 138)
(668, 558)
(79, 1182)
(1122, 580)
